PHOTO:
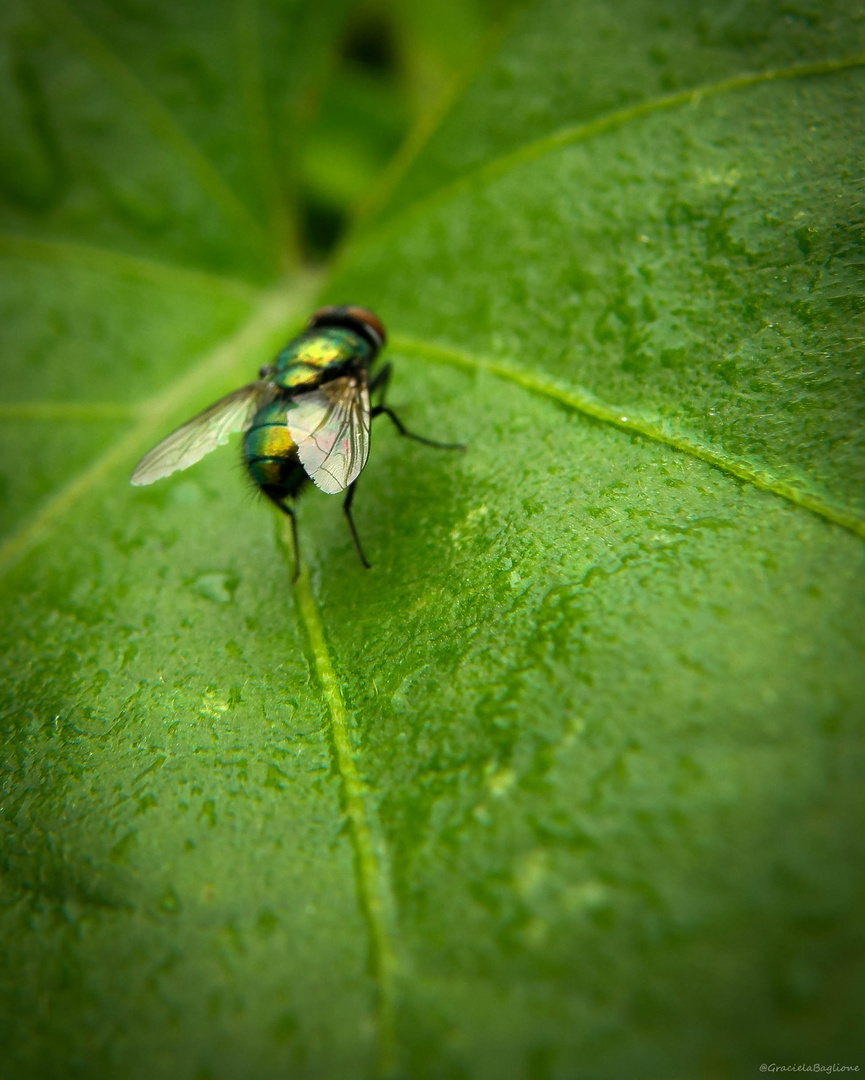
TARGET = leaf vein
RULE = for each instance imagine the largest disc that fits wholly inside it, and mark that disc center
(274, 311)
(577, 133)
(156, 116)
(254, 108)
(426, 126)
(106, 260)
(624, 418)
(78, 411)
(373, 887)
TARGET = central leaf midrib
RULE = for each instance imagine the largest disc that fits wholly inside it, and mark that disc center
(374, 893)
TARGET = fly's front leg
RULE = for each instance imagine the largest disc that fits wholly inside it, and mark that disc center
(346, 509)
(384, 410)
(381, 381)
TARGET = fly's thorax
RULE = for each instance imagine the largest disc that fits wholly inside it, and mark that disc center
(321, 354)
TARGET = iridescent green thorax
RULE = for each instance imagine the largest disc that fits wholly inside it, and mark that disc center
(310, 357)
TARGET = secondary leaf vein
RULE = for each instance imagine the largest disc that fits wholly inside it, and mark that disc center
(157, 118)
(77, 411)
(275, 310)
(577, 133)
(427, 125)
(623, 417)
(255, 111)
(104, 260)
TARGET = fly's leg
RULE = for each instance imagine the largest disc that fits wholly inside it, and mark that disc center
(380, 382)
(346, 509)
(292, 517)
(384, 410)
(279, 502)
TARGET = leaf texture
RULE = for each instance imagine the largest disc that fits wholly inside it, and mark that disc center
(569, 783)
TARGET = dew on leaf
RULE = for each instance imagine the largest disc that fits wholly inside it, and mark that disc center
(216, 587)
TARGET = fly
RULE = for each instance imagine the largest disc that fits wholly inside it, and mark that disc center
(306, 417)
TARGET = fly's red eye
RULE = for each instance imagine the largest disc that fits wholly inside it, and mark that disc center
(350, 316)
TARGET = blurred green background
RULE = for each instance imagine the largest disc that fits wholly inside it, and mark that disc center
(396, 66)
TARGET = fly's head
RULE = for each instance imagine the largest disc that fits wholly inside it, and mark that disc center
(359, 319)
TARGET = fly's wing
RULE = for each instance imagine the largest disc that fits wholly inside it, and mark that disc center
(203, 433)
(330, 427)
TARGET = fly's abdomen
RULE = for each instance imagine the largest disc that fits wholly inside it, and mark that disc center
(269, 453)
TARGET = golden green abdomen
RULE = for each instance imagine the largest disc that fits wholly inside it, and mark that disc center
(269, 453)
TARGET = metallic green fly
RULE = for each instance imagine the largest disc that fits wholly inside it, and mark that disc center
(306, 417)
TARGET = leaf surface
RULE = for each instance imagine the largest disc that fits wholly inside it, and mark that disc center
(569, 783)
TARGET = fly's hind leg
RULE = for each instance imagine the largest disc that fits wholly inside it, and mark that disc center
(346, 509)
(279, 501)
(380, 383)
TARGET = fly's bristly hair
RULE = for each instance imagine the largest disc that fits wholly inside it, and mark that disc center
(252, 493)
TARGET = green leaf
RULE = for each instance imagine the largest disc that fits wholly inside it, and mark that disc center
(568, 783)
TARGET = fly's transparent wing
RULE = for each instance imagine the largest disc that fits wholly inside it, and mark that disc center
(203, 433)
(330, 427)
